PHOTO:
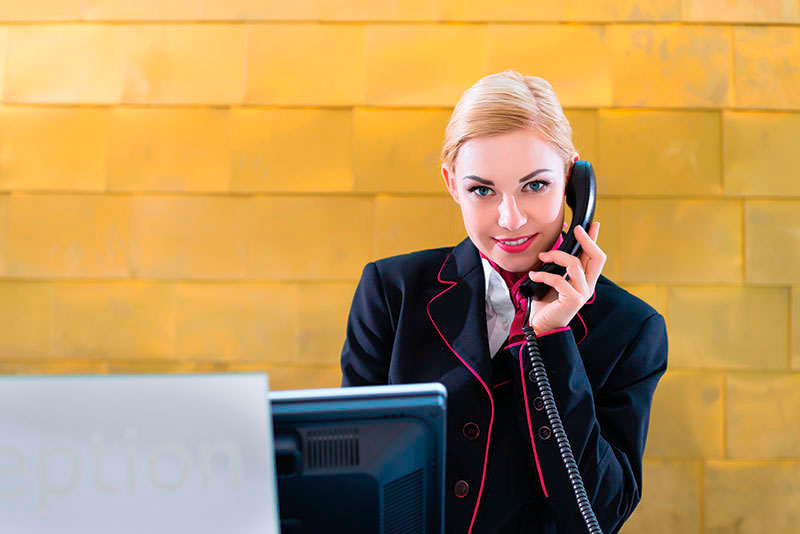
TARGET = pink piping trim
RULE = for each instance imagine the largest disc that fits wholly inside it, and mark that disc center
(553, 331)
(585, 330)
(513, 344)
(485, 387)
(563, 328)
(501, 384)
(530, 428)
(590, 301)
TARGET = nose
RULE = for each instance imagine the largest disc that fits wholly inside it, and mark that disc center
(511, 218)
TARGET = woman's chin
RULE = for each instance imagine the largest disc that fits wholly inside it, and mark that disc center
(515, 264)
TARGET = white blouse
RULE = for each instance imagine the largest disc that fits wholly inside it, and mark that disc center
(499, 307)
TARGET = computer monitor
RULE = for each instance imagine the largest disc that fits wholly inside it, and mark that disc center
(364, 459)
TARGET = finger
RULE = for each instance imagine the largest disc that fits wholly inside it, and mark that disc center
(587, 239)
(564, 288)
(594, 230)
(577, 277)
(574, 266)
(559, 257)
(592, 256)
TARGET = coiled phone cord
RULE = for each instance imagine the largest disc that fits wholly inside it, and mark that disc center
(543, 383)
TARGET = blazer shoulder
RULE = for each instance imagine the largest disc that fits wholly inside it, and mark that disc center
(408, 269)
(617, 307)
(633, 327)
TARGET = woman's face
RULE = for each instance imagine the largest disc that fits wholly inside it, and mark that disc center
(510, 187)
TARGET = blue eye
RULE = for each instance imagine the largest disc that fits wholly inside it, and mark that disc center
(480, 188)
(539, 183)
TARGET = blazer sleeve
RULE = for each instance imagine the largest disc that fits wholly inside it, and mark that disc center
(607, 432)
(370, 333)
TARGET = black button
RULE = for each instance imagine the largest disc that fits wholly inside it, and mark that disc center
(532, 376)
(471, 430)
(538, 403)
(544, 432)
(461, 489)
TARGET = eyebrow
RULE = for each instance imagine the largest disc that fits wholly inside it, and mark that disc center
(484, 181)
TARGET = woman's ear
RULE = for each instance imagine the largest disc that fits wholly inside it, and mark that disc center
(575, 157)
(450, 182)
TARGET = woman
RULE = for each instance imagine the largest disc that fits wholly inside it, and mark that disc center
(453, 315)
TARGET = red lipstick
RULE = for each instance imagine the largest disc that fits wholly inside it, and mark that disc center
(515, 249)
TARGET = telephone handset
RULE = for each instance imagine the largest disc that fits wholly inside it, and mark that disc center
(581, 198)
(581, 193)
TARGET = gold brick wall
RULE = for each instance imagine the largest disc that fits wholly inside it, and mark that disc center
(195, 185)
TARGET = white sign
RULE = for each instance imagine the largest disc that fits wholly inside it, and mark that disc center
(134, 454)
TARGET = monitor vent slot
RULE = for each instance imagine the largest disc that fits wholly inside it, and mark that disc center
(404, 504)
(332, 447)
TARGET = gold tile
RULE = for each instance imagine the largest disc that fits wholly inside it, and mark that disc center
(742, 11)
(406, 224)
(3, 54)
(180, 237)
(369, 10)
(759, 153)
(25, 313)
(772, 241)
(145, 10)
(530, 50)
(767, 66)
(398, 150)
(670, 500)
(794, 327)
(110, 320)
(64, 64)
(322, 313)
(423, 65)
(671, 66)
(621, 10)
(3, 234)
(169, 150)
(686, 420)
(67, 236)
(660, 241)
(41, 10)
(664, 153)
(291, 377)
(584, 133)
(729, 327)
(309, 237)
(53, 149)
(185, 64)
(751, 497)
(507, 10)
(236, 322)
(760, 415)
(256, 10)
(292, 150)
(607, 213)
(305, 64)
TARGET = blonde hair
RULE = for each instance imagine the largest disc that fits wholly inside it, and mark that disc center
(507, 102)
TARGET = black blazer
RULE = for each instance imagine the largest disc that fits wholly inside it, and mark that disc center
(420, 317)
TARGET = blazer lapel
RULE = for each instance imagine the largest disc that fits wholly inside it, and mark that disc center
(459, 312)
